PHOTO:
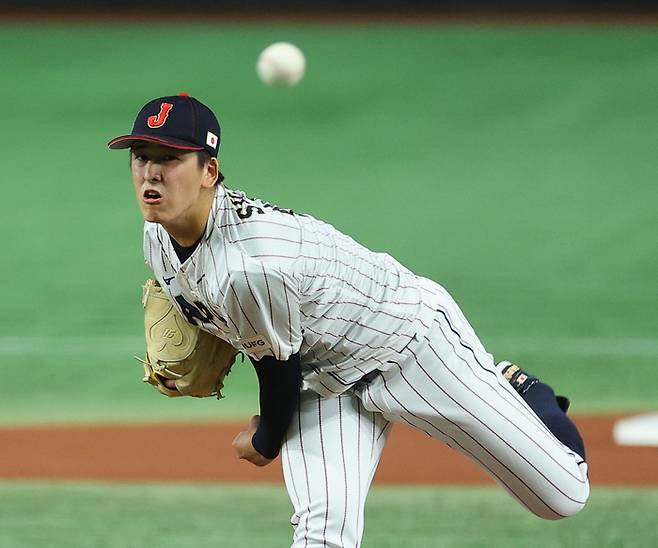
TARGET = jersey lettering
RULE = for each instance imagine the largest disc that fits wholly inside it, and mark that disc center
(196, 314)
(245, 206)
(160, 119)
(256, 344)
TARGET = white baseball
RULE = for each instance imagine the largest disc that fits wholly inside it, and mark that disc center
(281, 65)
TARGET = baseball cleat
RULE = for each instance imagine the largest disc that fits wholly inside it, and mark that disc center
(522, 382)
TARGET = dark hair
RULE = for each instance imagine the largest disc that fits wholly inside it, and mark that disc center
(202, 157)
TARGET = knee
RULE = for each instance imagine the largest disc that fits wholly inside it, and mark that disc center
(565, 505)
(561, 512)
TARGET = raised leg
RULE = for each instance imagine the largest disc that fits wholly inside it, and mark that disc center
(448, 386)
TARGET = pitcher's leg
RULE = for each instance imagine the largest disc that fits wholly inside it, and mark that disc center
(329, 458)
(450, 388)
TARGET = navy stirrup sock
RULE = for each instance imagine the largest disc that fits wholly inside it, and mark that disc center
(541, 399)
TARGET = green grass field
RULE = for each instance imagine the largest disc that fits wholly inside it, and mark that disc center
(514, 165)
(188, 516)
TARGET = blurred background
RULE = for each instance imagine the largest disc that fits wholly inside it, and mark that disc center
(506, 150)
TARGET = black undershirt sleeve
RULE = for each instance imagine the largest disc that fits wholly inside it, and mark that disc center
(279, 384)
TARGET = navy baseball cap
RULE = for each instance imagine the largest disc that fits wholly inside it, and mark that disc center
(177, 121)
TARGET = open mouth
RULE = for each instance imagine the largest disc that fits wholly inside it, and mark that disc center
(152, 196)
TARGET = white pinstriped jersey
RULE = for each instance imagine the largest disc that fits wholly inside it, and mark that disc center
(271, 282)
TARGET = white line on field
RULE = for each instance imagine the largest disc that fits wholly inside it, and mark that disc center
(121, 345)
(581, 346)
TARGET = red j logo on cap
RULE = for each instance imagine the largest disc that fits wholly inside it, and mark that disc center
(161, 118)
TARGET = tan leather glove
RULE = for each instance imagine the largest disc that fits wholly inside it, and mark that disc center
(177, 350)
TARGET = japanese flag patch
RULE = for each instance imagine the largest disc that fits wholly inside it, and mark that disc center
(211, 139)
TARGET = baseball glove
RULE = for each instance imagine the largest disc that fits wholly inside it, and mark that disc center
(180, 351)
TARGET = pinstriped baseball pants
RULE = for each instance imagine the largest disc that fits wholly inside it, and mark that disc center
(447, 386)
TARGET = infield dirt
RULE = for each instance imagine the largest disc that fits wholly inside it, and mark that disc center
(201, 452)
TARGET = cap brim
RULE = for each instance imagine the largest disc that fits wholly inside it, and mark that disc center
(127, 141)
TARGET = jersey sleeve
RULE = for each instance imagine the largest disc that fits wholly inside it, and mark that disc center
(263, 304)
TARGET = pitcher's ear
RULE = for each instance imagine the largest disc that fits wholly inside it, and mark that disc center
(211, 173)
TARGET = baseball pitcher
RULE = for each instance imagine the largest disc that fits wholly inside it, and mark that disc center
(344, 341)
